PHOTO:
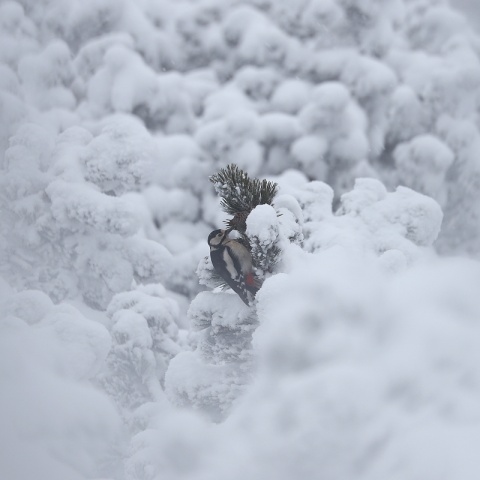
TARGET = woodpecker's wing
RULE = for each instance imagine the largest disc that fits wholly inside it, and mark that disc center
(242, 260)
(233, 262)
(228, 265)
(234, 254)
(244, 280)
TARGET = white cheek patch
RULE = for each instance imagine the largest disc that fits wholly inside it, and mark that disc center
(215, 241)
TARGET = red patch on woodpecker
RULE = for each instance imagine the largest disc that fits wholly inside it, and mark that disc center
(250, 280)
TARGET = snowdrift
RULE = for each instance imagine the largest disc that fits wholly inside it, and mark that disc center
(118, 358)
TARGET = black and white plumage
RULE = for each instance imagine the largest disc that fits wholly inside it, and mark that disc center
(233, 262)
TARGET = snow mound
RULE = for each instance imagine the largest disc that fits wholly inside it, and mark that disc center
(358, 358)
(47, 353)
(210, 378)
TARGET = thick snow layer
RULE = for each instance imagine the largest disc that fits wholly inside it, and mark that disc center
(51, 416)
(121, 357)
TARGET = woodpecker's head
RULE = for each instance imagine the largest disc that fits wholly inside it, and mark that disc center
(217, 237)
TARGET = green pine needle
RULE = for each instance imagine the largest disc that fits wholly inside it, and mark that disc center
(240, 193)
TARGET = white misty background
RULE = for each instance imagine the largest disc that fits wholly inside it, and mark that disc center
(360, 358)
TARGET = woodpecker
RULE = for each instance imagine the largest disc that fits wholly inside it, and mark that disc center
(233, 262)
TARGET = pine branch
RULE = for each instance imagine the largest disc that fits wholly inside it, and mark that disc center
(239, 193)
(265, 250)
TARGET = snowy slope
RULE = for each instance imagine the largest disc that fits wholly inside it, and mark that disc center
(359, 359)
(471, 9)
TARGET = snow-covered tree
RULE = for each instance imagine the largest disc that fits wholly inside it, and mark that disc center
(49, 354)
(358, 358)
(66, 218)
(221, 362)
(144, 327)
